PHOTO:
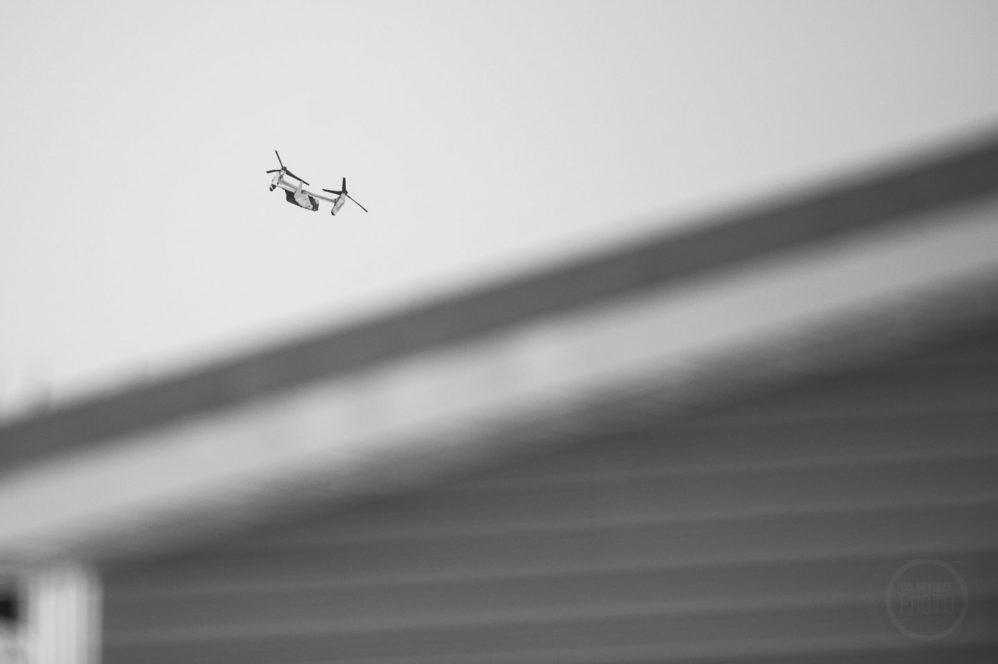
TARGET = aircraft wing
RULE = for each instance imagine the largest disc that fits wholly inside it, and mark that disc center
(287, 186)
(321, 197)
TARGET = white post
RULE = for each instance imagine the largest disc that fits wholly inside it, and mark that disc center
(62, 621)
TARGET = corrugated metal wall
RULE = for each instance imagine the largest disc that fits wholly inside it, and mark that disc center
(768, 531)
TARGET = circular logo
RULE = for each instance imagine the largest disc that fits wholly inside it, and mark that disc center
(927, 599)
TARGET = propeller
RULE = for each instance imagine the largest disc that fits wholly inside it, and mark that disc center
(284, 169)
(343, 191)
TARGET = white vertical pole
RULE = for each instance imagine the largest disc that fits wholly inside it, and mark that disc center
(62, 615)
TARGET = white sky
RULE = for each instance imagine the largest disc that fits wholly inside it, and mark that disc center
(137, 231)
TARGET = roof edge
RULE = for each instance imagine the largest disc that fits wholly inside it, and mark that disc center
(861, 203)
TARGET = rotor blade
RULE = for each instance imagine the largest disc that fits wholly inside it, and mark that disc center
(352, 199)
(276, 170)
(279, 158)
(332, 191)
(294, 176)
(344, 187)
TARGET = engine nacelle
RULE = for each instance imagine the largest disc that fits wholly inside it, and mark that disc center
(337, 204)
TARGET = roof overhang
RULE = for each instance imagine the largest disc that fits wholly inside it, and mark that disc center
(859, 270)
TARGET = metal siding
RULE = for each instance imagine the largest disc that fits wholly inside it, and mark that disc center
(767, 531)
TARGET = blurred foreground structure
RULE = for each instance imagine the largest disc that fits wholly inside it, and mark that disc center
(770, 439)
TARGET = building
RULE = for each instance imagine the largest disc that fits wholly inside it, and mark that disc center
(771, 438)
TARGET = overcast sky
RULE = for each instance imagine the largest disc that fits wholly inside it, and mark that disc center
(137, 231)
